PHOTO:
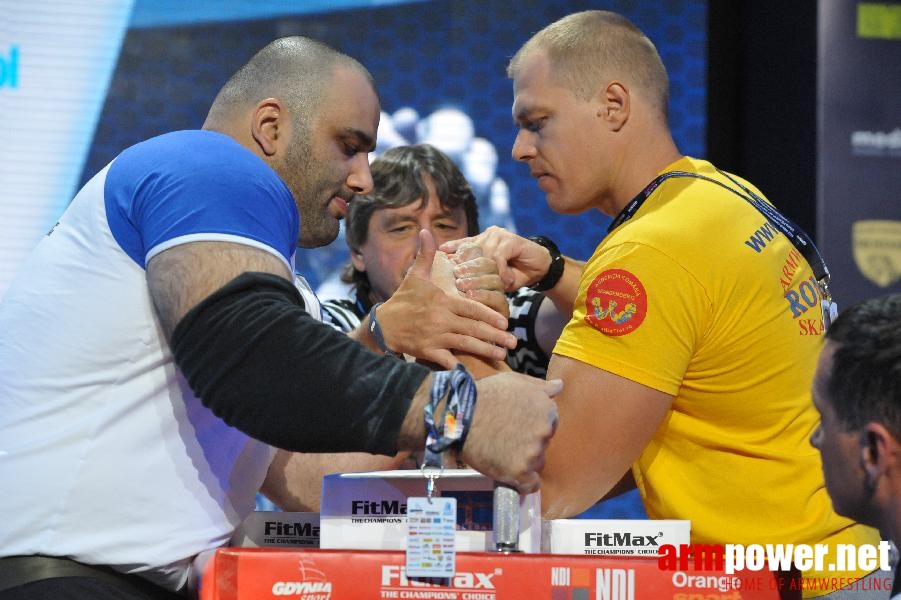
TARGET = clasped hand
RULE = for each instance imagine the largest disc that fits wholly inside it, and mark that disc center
(431, 316)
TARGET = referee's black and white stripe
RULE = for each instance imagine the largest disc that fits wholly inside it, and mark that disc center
(527, 357)
(344, 314)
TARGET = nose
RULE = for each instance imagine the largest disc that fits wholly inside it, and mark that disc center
(523, 147)
(360, 177)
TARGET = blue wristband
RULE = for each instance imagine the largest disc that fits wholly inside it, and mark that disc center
(453, 427)
(376, 330)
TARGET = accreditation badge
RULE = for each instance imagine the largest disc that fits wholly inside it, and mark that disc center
(431, 537)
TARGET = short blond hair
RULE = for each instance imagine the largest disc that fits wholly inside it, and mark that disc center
(591, 47)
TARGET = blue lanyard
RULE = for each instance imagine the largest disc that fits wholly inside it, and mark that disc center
(453, 427)
(795, 234)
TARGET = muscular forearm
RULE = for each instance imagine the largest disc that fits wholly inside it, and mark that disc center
(606, 421)
(480, 367)
(556, 308)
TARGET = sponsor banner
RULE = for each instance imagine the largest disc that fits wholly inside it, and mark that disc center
(273, 529)
(368, 511)
(56, 59)
(344, 574)
(612, 537)
(859, 147)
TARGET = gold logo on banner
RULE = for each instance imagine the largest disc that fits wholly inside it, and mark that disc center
(877, 250)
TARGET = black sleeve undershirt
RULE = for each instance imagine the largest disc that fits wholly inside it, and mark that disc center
(263, 365)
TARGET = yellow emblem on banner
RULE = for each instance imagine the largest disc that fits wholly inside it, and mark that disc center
(877, 250)
(879, 20)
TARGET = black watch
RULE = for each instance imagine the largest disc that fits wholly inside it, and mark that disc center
(555, 271)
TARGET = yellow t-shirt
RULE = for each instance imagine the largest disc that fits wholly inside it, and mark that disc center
(698, 296)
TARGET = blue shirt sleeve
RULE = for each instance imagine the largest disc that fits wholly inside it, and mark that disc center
(197, 185)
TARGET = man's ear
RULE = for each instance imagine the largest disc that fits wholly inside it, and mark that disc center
(615, 104)
(356, 259)
(269, 125)
(878, 451)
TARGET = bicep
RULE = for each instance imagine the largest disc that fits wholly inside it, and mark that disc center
(182, 276)
(605, 421)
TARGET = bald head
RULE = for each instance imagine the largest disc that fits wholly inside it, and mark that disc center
(590, 48)
(296, 70)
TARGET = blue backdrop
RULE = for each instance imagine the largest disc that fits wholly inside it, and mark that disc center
(425, 56)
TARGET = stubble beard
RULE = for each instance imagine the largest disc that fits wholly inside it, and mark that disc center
(317, 226)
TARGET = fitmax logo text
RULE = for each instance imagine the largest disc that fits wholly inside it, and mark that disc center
(384, 507)
(298, 529)
(620, 539)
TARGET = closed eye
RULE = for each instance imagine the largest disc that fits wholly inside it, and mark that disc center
(534, 125)
(448, 226)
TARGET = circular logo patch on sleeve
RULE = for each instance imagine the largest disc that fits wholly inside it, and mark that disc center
(616, 302)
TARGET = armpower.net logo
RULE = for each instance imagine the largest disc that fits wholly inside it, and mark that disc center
(784, 558)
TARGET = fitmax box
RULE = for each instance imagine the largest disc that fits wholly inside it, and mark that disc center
(265, 529)
(612, 537)
(367, 511)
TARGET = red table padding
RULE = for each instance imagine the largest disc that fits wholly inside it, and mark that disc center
(265, 573)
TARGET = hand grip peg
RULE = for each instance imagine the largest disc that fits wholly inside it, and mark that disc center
(506, 518)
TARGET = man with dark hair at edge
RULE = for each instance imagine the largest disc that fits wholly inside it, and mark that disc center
(417, 188)
(857, 391)
(155, 350)
(695, 324)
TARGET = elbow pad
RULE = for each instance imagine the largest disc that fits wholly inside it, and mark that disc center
(262, 364)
